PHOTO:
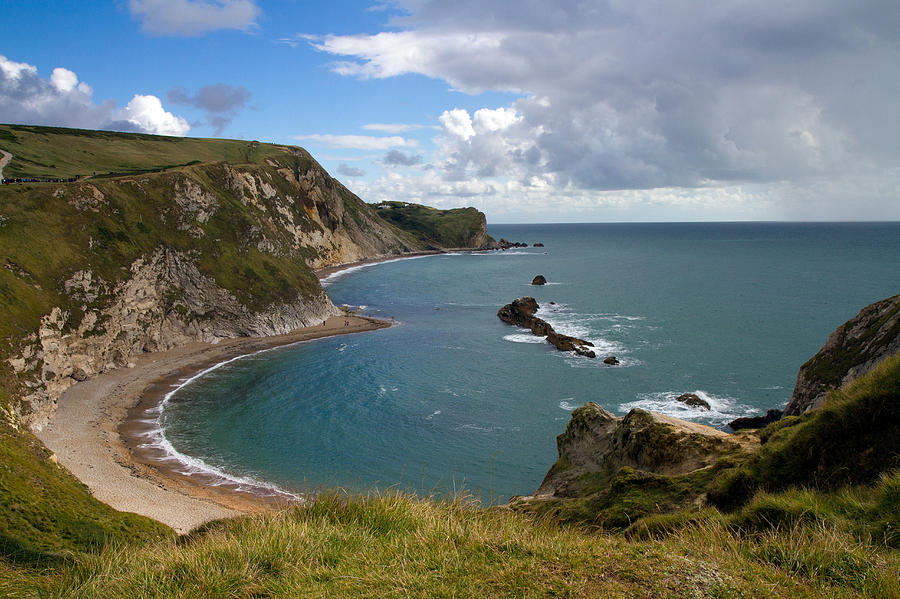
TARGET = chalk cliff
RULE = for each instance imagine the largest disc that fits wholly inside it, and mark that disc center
(112, 265)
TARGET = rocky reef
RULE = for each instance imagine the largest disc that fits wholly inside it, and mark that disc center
(855, 348)
(521, 313)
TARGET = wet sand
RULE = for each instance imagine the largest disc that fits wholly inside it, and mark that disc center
(92, 435)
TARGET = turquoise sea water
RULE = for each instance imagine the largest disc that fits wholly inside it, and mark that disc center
(453, 396)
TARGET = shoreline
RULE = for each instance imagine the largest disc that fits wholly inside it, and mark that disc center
(96, 432)
(100, 428)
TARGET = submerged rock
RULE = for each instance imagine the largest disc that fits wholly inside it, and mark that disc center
(612, 361)
(539, 280)
(693, 400)
(537, 245)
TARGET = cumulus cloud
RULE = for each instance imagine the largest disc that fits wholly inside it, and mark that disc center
(358, 142)
(350, 171)
(194, 17)
(219, 101)
(648, 95)
(147, 114)
(398, 158)
(63, 100)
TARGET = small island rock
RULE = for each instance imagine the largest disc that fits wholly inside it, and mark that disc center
(538, 245)
(539, 280)
(611, 360)
(693, 400)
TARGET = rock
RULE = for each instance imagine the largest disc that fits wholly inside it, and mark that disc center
(598, 444)
(855, 348)
(574, 344)
(693, 400)
(755, 421)
(79, 374)
(611, 360)
(539, 280)
(503, 244)
(520, 312)
(538, 245)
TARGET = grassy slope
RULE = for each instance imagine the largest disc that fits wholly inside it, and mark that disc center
(393, 545)
(48, 514)
(851, 440)
(439, 228)
(63, 153)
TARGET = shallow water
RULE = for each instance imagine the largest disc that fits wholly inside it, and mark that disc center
(454, 397)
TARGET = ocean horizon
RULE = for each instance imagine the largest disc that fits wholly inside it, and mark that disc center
(452, 398)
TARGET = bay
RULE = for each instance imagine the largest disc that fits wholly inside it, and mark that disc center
(453, 398)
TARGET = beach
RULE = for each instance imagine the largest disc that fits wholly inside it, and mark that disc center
(84, 432)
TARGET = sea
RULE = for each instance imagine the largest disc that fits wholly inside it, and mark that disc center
(452, 400)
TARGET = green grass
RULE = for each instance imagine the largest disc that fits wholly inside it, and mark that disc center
(851, 440)
(63, 153)
(49, 516)
(396, 545)
(455, 228)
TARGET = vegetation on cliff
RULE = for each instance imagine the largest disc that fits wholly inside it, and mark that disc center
(812, 513)
(438, 229)
(48, 516)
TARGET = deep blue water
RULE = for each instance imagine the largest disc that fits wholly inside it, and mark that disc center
(455, 397)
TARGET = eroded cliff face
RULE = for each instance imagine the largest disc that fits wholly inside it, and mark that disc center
(852, 350)
(599, 443)
(150, 262)
(612, 471)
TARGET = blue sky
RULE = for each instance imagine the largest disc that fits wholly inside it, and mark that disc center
(531, 111)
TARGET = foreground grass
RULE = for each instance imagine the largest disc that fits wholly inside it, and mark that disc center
(396, 545)
(48, 515)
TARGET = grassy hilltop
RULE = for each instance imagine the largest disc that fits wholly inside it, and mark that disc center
(814, 513)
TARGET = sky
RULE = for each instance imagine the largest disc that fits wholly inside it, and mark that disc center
(531, 111)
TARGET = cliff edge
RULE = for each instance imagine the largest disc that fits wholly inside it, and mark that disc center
(855, 348)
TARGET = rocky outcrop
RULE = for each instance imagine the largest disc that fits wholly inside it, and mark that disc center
(693, 400)
(504, 244)
(521, 313)
(755, 421)
(539, 280)
(611, 361)
(599, 444)
(538, 245)
(166, 302)
(855, 348)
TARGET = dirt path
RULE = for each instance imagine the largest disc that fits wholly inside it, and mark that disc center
(4, 161)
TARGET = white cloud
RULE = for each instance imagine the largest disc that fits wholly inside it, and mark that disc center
(394, 128)
(655, 95)
(457, 122)
(194, 17)
(61, 100)
(63, 79)
(148, 114)
(358, 142)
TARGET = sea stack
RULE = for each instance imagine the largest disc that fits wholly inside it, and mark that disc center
(539, 280)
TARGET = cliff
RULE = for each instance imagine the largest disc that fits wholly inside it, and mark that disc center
(100, 269)
(613, 470)
(439, 229)
(855, 348)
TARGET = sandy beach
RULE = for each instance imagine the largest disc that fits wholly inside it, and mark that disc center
(84, 432)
